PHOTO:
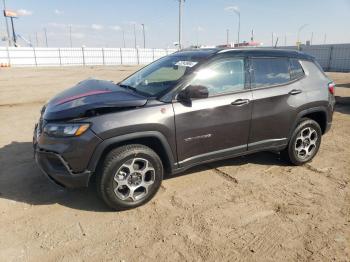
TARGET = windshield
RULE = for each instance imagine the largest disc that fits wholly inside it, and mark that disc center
(160, 76)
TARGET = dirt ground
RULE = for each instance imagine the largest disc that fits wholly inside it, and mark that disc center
(253, 208)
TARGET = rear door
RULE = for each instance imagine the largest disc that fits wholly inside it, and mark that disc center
(277, 96)
(216, 126)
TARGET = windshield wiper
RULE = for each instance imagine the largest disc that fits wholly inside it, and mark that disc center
(133, 89)
(129, 87)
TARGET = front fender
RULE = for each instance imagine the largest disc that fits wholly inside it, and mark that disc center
(100, 149)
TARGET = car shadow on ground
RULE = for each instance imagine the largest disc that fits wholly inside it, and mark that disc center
(22, 181)
(342, 104)
(344, 85)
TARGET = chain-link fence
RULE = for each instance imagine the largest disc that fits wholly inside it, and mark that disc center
(27, 56)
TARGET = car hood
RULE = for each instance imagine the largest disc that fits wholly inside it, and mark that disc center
(89, 95)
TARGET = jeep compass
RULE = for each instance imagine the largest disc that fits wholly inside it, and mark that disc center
(185, 109)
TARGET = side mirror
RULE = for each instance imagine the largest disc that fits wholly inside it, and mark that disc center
(193, 92)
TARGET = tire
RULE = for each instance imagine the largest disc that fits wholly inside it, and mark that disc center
(304, 142)
(129, 177)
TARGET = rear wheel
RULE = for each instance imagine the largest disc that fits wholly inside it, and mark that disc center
(130, 176)
(304, 143)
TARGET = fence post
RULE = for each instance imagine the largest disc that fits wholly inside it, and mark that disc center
(137, 56)
(103, 56)
(330, 58)
(36, 62)
(82, 51)
(8, 56)
(59, 56)
(121, 56)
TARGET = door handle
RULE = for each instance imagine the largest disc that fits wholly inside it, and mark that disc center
(295, 92)
(240, 102)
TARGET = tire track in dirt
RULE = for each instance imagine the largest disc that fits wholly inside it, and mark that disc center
(223, 174)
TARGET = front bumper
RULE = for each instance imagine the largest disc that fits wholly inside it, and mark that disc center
(57, 170)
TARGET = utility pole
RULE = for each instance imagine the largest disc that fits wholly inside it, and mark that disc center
(135, 40)
(144, 35)
(272, 39)
(312, 37)
(325, 39)
(252, 37)
(7, 25)
(45, 32)
(180, 23)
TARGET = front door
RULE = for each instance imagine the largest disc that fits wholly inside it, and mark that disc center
(216, 126)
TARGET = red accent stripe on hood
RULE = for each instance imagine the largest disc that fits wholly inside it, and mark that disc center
(90, 93)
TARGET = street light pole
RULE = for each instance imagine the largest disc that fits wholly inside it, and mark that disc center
(7, 25)
(144, 36)
(238, 13)
(299, 30)
(45, 32)
(135, 41)
(123, 32)
(227, 36)
(239, 25)
(70, 36)
(180, 23)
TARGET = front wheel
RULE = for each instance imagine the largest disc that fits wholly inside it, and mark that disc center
(304, 143)
(130, 176)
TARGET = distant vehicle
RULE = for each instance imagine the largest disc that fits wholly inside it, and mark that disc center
(185, 109)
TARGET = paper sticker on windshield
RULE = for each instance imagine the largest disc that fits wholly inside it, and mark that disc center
(186, 63)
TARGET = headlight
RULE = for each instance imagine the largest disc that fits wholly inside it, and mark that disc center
(64, 130)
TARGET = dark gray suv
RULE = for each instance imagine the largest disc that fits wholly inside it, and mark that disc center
(185, 109)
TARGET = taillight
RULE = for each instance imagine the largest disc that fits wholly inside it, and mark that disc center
(331, 87)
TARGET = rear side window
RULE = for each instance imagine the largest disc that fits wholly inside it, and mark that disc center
(296, 71)
(270, 71)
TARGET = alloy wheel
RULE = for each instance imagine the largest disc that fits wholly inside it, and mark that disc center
(306, 143)
(133, 179)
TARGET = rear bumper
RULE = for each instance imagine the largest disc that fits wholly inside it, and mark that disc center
(58, 171)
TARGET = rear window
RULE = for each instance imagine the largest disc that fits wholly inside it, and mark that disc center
(296, 70)
(270, 71)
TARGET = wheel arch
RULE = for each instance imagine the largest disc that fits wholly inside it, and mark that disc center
(318, 114)
(155, 140)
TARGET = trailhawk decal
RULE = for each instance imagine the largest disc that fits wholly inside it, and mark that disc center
(189, 139)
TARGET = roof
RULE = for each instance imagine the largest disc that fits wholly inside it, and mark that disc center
(199, 53)
(257, 52)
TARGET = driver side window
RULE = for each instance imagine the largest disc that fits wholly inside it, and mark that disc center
(225, 76)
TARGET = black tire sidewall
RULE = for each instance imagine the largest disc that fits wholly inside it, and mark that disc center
(292, 153)
(113, 164)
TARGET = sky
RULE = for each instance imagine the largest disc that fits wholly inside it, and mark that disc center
(205, 22)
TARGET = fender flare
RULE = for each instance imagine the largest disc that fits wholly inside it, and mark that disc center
(302, 113)
(100, 149)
